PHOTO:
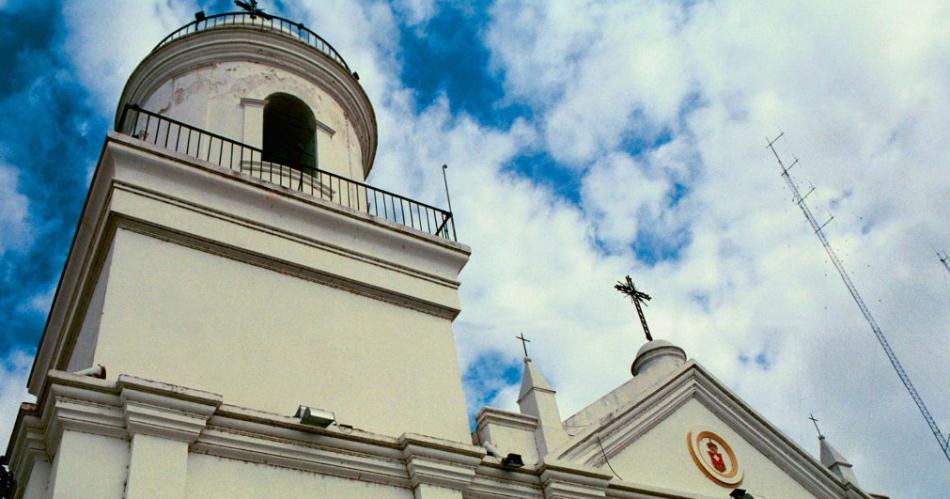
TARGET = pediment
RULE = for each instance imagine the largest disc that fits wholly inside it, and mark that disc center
(663, 440)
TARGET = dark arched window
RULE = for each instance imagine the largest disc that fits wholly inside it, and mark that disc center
(290, 132)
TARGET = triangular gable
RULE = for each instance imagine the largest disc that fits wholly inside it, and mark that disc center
(646, 442)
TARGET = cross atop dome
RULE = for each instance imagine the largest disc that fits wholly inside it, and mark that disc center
(637, 297)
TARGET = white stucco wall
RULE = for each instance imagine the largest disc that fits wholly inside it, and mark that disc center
(210, 476)
(37, 487)
(661, 458)
(209, 97)
(269, 341)
(81, 356)
(89, 467)
(507, 439)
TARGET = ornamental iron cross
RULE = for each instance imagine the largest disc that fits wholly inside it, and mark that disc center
(251, 8)
(815, 422)
(637, 297)
(524, 344)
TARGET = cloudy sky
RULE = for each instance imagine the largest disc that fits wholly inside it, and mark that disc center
(586, 141)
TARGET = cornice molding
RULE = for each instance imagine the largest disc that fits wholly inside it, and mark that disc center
(492, 416)
(166, 411)
(438, 462)
(132, 405)
(562, 480)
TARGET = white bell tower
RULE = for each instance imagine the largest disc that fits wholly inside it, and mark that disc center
(228, 243)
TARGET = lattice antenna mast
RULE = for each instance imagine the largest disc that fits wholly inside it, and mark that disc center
(905, 379)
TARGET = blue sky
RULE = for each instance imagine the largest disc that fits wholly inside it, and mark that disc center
(586, 141)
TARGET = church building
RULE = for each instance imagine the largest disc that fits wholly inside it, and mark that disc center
(242, 316)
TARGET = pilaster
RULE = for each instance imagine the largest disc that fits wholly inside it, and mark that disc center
(561, 480)
(163, 421)
(439, 469)
(253, 129)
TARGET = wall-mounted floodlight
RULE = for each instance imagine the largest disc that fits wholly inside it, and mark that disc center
(740, 494)
(96, 371)
(510, 460)
(315, 417)
(199, 16)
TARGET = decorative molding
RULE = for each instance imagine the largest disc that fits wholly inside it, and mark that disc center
(104, 408)
(314, 208)
(439, 462)
(166, 411)
(284, 267)
(326, 128)
(493, 480)
(249, 102)
(562, 480)
(492, 416)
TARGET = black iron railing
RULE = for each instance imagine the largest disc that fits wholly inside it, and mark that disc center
(222, 151)
(269, 22)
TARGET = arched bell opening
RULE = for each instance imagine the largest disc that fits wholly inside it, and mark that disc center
(290, 132)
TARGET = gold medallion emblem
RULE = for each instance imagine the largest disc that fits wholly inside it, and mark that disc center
(714, 457)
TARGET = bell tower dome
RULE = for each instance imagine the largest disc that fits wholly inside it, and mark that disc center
(229, 243)
(266, 82)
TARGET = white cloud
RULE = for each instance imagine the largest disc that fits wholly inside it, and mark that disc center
(14, 370)
(106, 39)
(15, 230)
(861, 91)
(415, 11)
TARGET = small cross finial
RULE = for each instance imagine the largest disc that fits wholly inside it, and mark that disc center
(815, 422)
(524, 344)
(637, 297)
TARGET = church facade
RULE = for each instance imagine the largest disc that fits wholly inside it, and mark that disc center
(241, 315)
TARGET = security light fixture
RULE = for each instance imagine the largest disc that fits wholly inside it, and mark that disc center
(312, 416)
(740, 494)
(511, 460)
(199, 16)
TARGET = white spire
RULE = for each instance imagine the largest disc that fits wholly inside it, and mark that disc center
(834, 461)
(532, 380)
(538, 399)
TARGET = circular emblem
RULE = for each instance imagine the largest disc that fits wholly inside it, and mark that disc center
(714, 457)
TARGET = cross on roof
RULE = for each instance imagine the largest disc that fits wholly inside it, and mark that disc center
(524, 343)
(815, 422)
(637, 297)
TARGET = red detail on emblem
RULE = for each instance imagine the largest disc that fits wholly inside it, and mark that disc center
(716, 457)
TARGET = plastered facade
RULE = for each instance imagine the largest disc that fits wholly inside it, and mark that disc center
(660, 457)
(271, 341)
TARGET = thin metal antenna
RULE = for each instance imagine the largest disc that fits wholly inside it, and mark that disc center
(901, 373)
(445, 179)
(448, 198)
